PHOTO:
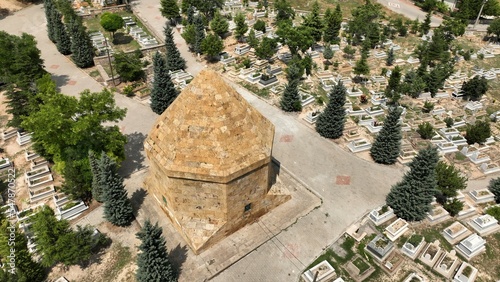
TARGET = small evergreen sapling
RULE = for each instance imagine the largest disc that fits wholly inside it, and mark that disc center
(330, 123)
(290, 101)
(385, 149)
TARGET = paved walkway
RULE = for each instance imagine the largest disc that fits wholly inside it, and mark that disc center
(349, 186)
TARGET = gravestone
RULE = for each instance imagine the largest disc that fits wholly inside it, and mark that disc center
(471, 246)
(322, 271)
(465, 273)
(431, 254)
(455, 232)
(380, 248)
(484, 225)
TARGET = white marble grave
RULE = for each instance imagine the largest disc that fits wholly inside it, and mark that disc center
(484, 224)
(471, 246)
(396, 229)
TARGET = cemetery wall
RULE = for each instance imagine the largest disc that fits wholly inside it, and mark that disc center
(148, 51)
(111, 9)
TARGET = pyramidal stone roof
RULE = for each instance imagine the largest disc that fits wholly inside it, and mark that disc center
(210, 133)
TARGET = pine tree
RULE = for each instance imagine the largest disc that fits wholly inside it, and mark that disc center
(385, 149)
(212, 45)
(426, 25)
(332, 24)
(199, 34)
(97, 182)
(117, 207)
(169, 9)
(392, 91)
(361, 67)
(190, 15)
(290, 101)
(219, 24)
(411, 198)
(163, 92)
(328, 53)
(81, 46)
(494, 188)
(174, 58)
(252, 40)
(241, 26)
(153, 263)
(390, 58)
(63, 41)
(314, 22)
(50, 10)
(330, 123)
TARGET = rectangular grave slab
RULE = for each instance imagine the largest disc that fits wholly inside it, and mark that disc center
(484, 225)
(311, 117)
(413, 251)
(381, 214)
(482, 196)
(489, 168)
(432, 252)
(359, 145)
(465, 273)
(325, 272)
(379, 248)
(437, 214)
(455, 233)
(447, 264)
(396, 229)
(471, 246)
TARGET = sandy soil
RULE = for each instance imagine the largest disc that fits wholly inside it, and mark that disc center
(9, 6)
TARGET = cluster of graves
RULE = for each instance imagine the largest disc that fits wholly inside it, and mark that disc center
(39, 183)
(144, 39)
(100, 43)
(466, 233)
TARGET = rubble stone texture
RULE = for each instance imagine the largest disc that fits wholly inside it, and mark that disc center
(210, 154)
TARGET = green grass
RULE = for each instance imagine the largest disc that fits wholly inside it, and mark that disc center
(254, 89)
(361, 265)
(94, 73)
(432, 233)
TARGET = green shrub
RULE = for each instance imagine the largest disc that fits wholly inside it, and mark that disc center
(426, 130)
(494, 212)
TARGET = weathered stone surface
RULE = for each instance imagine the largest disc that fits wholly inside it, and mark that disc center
(209, 155)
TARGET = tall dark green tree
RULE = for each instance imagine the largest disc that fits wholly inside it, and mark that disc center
(426, 25)
(219, 24)
(330, 123)
(174, 58)
(117, 206)
(494, 187)
(153, 262)
(163, 92)
(241, 26)
(81, 47)
(328, 53)
(478, 132)
(199, 34)
(385, 149)
(449, 181)
(252, 40)
(314, 22)
(212, 45)
(63, 41)
(390, 58)
(475, 88)
(169, 9)
(361, 67)
(49, 8)
(413, 84)
(392, 91)
(411, 198)
(22, 66)
(97, 182)
(290, 101)
(332, 24)
(284, 11)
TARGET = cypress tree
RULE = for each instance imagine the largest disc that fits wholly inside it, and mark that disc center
(199, 29)
(290, 101)
(386, 148)
(174, 59)
(63, 41)
(97, 182)
(411, 198)
(330, 123)
(190, 15)
(494, 188)
(153, 263)
(50, 9)
(117, 207)
(81, 46)
(163, 92)
(390, 58)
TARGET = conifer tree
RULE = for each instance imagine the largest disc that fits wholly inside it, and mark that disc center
(153, 263)
(290, 101)
(97, 182)
(50, 8)
(199, 29)
(63, 41)
(385, 149)
(169, 9)
(174, 58)
(219, 24)
(494, 188)
(81, 46)
(332, 24)
(163, 92)
(411, 198)
(190, 15)
(328, 53)
(390, 58)
(426, 25)
(330, 123)
(314, 22)
(252, 40)
(117, 206)
(241, 26)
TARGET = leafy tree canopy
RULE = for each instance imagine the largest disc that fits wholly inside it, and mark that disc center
(111, 22)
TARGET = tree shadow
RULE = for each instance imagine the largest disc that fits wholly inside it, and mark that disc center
(134, 157)
(122, 38)
(4, 13)
(137, 199)
(177, 257)
(60, 80)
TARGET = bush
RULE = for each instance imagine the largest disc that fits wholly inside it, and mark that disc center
(494, 212)
(415, 239)
(449, 121)
(453, 207)
(478, 133)
(129, 66)
(428, 107)
(426, 130)
(128, 90)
